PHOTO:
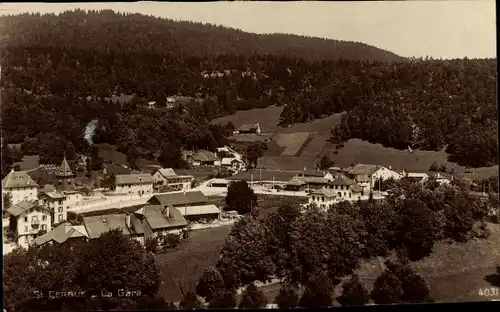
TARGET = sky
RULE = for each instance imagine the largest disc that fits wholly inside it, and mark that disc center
(438, 29)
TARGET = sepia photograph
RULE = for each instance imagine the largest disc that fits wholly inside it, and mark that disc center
(248, 154)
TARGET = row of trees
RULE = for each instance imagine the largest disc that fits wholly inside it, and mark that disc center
(32, 277)
(317, 247)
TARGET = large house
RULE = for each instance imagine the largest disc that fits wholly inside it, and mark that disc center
(249, 129)
(167, 177)
(59, 203)
(367, 175)
(234, 164)
(155, 220)
(63, 233)
(202, 158)
(416, 177)
(323, 198)
(345, 188)
(136, 183)
(29, 220)
(193, 206)
(20, 186)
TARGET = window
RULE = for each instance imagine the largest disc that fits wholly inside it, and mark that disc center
(60, 209)
(26, 239)
(44, 226)
(34, 219)
(60, 217)
(314, 198)
(60, 202)
(44, 217)
(25, 219)
(26, 229)
(323, 198)
(340, 194)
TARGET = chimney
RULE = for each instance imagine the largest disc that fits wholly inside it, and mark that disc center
(166, 211)
(127, 219)
(390, 167)
(104, 220)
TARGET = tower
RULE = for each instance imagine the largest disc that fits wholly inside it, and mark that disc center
(64, 175)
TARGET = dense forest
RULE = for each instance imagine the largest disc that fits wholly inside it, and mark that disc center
(59, 70)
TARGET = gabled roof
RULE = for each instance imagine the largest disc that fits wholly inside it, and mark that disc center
(248, 127)
(295, 181)
(323, 192)
(17, 179)
(157, 218)
(64, 170)
(167, 172)
(199, 210)
(362, 169)
(134, 178)
(203, 155)
(97, 225)
(356, 188)
(314, 173)
(315, 180)
(48, 188)
(178, 199)
(53, 195)
(416, 175)
(342, 180)
(23, 206)
(362, 178)
(62, 233)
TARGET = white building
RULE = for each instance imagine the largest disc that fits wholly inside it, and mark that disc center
(168, 177)
(136, 183)
(233, 164)
(417, 177)
(29, 220)
(60, 203)
(323, 198)
(367, 175)
(20, 186)
(442, 179)
(345, 188)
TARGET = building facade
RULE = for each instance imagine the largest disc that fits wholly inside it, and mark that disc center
(322, 198)
(134, 184)
(29, 220)
(167, 177)
(20, 187)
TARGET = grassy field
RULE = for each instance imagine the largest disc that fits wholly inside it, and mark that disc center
(354, 151)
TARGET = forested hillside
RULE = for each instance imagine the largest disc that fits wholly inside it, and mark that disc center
(58, 70)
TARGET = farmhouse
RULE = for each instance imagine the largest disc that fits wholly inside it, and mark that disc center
(234, 164)
(367, 175)
(29, 220)
(141, 184)
(249, 129)
(168, 177)
(20, 186)
(313, 182)
(202, 158)
(63, 233)
(229, 151)
(296, 185)
(323, 198)
(442, 179)
(97, 225)
(193, 206)
(345, 188)
(416, 177)
(155, 220)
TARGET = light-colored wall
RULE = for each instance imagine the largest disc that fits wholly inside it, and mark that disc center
(342, 191)
(22, 193)
(318, 200)
(26, 232)
(384, 174)
(135, 189)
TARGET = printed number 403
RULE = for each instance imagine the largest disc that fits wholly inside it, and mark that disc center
(489, 292)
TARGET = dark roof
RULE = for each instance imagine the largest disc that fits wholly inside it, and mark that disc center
(314, 173)
(64, 170)
(203, 156)
(265, 174)
(157, 218)
(62, 233)
(98, 225)
(178, 199)
(323, 192)
(137, 178)
(23, 206)
(341, 180)
(16, 179)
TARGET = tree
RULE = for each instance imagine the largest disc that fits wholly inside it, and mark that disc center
(7, 159)
(354, 293)
(318, 291)
(96, 160)
(210, 281)
(325, 163)
(171, 156)
(223, 299)
(7, 201)
(70, 151)
(132, 156)
(240, 197)
(151, 245)
(254, 151)
(434, 166)
(109, 182)
(190, 302)
(288, 297)
(387, 289)
(252, 298)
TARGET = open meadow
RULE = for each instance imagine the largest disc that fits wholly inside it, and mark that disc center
(286, 153)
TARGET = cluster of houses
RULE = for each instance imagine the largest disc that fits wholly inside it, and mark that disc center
(33, 211)
(226, 158)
